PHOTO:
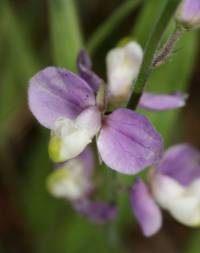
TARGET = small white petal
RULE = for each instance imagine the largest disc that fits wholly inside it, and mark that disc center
(70, 137)
(194, 189)
(69, 181)
(122, 69)
(89, 120)
(185, 209)
(165, 189)
(182, 202)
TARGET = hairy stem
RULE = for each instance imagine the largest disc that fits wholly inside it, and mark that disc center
(166, 51)
(151, 47)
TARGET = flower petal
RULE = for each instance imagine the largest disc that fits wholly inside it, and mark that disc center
(182, 163)
(87, 157)
(146, 210)
(96, 211)
(188, 14)
(70, 137)
(185, 209)
(165, 189)
(70, 180)
(123, 65)
(161, 102)
(84, 66)
(182, 202)
(56, 92)
(128, 142)
(194, 188)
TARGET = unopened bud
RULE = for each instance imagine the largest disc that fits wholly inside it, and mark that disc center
(188, 15)
(123, 65)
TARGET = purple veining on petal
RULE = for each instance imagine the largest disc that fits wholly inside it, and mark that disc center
(84, 66)
(182, 163)
(147, 213)
(96, 211)
(128, 142)
(55, 92)
(162, 102)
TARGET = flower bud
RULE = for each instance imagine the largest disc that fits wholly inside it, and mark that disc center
(188, 14)
(123, 65)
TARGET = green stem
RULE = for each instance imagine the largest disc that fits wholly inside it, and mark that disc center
(111, 23)
(151, 47)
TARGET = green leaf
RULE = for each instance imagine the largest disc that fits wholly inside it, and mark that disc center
(111, 23)
(20, 62)
(146, 20)
(66, 37)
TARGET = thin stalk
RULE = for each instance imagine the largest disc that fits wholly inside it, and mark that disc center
(151, 48)
(111, 23)
(165, 53)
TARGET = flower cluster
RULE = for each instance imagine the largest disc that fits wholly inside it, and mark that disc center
(73, 181)
(174, 185)
(76, 109)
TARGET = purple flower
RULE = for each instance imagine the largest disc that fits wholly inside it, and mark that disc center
(175, 185)
(146, 210)
(188, 14)
(72, 180)
(66, 103)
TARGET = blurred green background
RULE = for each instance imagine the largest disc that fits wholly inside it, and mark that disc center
(39, 33)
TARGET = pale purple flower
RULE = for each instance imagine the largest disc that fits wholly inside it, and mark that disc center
(66, 103)
(73, 180)
(188, 14)
(174, 185)
(145, 209)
